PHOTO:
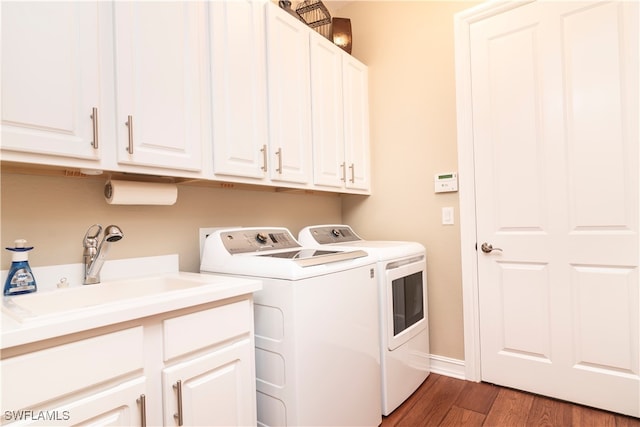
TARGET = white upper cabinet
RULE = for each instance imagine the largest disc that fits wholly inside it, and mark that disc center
(217, 90)
(340, 118)
(289, 91)
(239, 88)
(160, 90)
(51, 81)
(329, 167)
(355, 89)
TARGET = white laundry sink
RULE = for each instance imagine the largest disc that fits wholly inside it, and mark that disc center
(45, 304)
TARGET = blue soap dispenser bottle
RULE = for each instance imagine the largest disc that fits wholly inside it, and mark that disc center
(20, 279)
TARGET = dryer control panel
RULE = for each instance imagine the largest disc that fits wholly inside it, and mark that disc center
(329, 234)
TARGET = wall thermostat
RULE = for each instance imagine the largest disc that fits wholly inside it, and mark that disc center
(446, 182)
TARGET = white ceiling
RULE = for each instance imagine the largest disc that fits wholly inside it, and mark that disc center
(334, 6)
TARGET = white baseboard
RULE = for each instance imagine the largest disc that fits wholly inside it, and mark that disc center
(447, 366)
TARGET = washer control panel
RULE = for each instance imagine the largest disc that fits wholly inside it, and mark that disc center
(257, 240)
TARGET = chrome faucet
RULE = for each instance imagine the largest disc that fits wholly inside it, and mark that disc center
(94, 253)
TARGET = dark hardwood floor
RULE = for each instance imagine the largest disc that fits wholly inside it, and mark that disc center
(446, 401)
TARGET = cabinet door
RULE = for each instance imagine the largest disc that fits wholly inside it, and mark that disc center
(355, 83)
(239, 88)
(50, 78)
(159, 46)
(116, 406)
(289, 97)
(329, 168)
(77, 390)
(217, 389)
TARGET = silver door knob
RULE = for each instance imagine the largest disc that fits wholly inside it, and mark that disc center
(488, 248)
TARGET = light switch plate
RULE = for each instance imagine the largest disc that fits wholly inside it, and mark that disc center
(447, 216)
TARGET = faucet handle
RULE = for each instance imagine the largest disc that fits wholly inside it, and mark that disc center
(91, 240)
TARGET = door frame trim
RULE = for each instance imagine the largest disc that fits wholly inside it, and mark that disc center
(467, 196)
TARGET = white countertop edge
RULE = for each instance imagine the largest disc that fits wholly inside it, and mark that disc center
(16, 333)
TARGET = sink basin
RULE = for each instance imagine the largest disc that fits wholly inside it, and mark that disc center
(36, 305)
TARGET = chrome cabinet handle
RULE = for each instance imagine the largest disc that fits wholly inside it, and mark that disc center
(178, 387)
(142, 400)
(94, 119)
(130, 126)
(353, 173)
(279, 154)
(344, 171)
(488, 248)
(263, 150)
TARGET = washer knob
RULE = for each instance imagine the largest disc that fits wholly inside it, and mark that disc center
(335, 232)
(261, 238)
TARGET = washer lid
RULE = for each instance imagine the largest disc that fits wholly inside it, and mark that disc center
(311, 257)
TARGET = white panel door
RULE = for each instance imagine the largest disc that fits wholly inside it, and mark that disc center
(160, 83)
(555, 128)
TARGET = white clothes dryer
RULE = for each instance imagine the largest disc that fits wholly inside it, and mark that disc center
(316, 326)
(402, 293)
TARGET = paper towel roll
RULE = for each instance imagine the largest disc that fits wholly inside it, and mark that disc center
(140, 193)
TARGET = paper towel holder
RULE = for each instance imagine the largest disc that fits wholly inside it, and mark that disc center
(108, 189)
(120, 192)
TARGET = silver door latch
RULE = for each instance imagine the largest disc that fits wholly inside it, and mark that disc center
(488, 248)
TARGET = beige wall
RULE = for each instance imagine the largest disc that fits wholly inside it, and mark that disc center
(53, 214)
(408, 46)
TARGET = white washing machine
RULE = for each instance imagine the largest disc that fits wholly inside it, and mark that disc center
(402, 292)
(316, 326)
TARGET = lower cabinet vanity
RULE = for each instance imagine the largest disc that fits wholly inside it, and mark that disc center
(188, 366)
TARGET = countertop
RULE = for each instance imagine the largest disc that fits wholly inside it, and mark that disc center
(213, 288)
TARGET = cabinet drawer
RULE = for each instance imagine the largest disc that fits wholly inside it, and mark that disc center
(36, 377)
(195, 331)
